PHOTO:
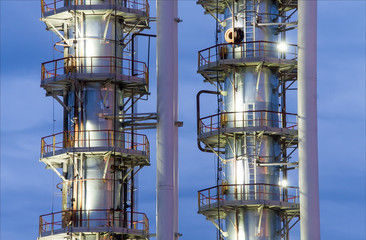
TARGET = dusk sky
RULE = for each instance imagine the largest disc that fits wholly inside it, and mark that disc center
(28, 189)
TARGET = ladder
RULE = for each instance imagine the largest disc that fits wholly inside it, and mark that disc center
(250, 150)
(249, 27)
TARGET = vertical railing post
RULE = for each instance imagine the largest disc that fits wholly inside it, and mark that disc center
(55, 70)
(40, 226)
(42, 147)
(199, 58)
(43, 72)
(199, 201)
(42, 7)
(52, 223)
(54, 144)
(241, 50)
(209, 55)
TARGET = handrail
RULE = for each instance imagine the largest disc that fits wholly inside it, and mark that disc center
(258, 191)
(250, 49)
(96, 64)
(246, 119)
(94, 138)
(93, 218)
(52, 5)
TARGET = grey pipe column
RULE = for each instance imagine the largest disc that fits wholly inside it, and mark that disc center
(307, 122)
(167, 132)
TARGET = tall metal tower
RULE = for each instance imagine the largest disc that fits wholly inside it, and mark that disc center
(98, 82)
(253, 134)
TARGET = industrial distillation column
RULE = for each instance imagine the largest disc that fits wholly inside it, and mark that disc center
(250, 133)
(252, 93)
(98, 151)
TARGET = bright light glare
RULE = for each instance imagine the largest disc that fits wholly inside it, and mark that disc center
(282, 47)
(283, 183)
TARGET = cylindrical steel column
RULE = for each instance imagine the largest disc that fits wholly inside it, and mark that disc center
(89, 102)
(251, 95)
(97, 150)
(307, 122)
(167, 133)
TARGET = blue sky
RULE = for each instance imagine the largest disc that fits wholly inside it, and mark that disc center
(27, 189)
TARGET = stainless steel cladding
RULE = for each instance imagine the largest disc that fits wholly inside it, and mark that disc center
(98, 85)
(253, 89)
(251, 137)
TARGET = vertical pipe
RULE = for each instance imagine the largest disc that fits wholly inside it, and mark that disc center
(175, 116)
(307, 123)
(167, 78)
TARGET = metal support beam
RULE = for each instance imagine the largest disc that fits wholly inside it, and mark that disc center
(278, 24)
(307, 123)
(106, 159)
(277, 164)
(225, 234)
(55, 170)
(260, 212)
(128, 173)
(68, 109)
(59, 34)
(107, 17)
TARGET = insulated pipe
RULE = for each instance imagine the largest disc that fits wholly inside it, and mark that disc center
(167, 83)
(307, 122)
(175, 116)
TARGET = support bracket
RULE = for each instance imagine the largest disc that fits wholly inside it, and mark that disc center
(59, 34)
(68, 109)
(225, 234)
(55, 170)
(260, 211)
(107, 156)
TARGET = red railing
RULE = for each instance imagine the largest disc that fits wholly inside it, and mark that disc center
(260, 191)
(247, 119)
(245, 50)
(91, 219)
(94, 138)
(52, 5)
(103, 64)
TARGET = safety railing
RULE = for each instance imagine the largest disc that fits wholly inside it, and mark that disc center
(94, 138)
(257, 118)
(103, 64)
(52, 5)
(220, 194)
(246, 50)
(93, 219)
